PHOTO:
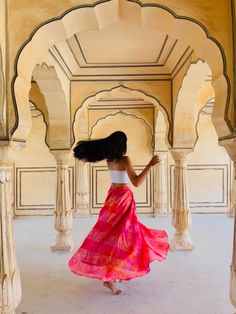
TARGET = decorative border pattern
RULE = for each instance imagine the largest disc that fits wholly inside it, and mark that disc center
(55, 53)
(19, 206)
(225, 172)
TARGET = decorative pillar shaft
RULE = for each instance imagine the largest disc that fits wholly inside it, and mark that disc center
(82, 193)
(160, 188)
(10, 290)
(63, 212)
(181, 216)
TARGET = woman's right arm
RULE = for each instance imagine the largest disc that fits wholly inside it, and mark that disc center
(135, 179)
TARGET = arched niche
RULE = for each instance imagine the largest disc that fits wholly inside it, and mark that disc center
(121, 92)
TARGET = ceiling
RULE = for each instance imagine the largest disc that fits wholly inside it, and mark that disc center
(121, 49)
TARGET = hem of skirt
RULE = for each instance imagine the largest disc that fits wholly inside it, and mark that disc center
(145, 272)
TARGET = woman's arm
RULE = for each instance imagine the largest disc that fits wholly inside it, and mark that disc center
(135, 179)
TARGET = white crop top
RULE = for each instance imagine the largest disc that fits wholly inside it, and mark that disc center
(119, 176)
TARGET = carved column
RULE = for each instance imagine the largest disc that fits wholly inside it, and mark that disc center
(181, 216)
(230, 146)
(82, 193)
(63, 212)
(10, 294)
(160, 188)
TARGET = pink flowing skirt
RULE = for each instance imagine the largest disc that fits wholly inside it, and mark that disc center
(119, 246)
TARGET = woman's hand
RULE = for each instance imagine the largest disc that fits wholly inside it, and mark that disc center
(138, 179)
(155, 160)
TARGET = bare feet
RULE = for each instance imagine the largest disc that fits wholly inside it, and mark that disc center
(111, 286)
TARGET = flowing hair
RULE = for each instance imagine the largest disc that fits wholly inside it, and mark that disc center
(110, 148)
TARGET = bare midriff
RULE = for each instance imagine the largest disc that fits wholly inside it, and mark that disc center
(119, 184)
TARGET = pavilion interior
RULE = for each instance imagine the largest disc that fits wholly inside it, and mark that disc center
(162, 72)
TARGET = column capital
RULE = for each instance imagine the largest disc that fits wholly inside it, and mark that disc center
(179, 154)
(62, 156)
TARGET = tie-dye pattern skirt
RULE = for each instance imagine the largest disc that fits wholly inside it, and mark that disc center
(119, 246)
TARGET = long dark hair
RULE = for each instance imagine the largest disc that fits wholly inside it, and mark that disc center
(110, 148)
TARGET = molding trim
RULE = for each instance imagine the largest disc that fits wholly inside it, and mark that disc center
(19, 206)
(225, 190)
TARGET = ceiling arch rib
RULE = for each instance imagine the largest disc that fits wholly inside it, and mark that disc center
(183, 33)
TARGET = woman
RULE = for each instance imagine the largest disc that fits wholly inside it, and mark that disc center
(118, 247)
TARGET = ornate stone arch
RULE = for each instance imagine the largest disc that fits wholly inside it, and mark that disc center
(101, 14)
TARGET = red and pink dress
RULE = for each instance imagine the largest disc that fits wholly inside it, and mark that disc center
(119, 246)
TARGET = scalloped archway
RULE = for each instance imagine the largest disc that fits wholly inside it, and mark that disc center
(124, 91)
(101, 14)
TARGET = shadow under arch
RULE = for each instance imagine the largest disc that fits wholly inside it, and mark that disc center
(128, 91)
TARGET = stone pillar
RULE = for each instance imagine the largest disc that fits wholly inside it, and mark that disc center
(181, 216)
(63, 212)
(82, 192)
(160, 188)
(230, 146)
(10, 295)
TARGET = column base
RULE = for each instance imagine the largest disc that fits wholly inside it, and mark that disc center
(11, 293)
(233, 286)
(161, 212)
(182, 242)
(82, 211)
(63, 243)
